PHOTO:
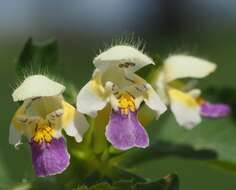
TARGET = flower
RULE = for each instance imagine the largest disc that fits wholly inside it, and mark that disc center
(114, 81)
(185, 102)
(41, 118)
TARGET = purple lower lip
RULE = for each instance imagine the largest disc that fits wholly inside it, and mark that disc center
(125, 131)
(50, 158)
(215, 110)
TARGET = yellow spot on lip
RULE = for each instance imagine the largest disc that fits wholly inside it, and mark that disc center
(43, 132)
(126, 103)
(182, 97)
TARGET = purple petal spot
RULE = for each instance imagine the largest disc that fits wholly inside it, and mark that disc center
(50, 158)
(125, 131)
(215, 110)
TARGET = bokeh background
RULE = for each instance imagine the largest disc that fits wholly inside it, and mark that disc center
(202, 28)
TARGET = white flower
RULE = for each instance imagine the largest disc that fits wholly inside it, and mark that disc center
(184, 103)
(43, 105)
(114, 74)
(114, 81)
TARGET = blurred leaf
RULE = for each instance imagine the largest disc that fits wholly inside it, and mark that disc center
(43, 58)
(70, 93)
(21, 186)
(216, 136)
(124, 184)
(37, 57)
(169, 182)
(101, 186)
(162, 149)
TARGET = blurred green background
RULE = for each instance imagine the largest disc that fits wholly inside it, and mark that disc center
(201, 28)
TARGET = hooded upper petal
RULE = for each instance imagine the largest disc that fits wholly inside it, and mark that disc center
(182, 66)
(185, 108)
(124, 131)
(37, 86)
(122, 56)
(92, 97)
(49, 158)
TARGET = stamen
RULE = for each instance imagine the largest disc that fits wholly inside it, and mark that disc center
(43, 132)
(126, 103)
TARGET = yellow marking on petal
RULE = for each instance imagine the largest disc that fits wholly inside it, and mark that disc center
(96, 84)
(200, 100)
(43, 132)
(126, 103)
(97, 87)
(69, 113)
(182, 97)
(20, 111)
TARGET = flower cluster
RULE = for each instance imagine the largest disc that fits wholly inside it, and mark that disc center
(44, 113)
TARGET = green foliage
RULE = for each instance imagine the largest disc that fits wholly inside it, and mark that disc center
(43, 58)
(38, 57)
(97, 161)
(162, 149)
(217, 136)
(169, 182)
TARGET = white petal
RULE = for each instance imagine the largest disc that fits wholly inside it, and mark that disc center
(77, 127)
(153, 101)
(92, 97)
(161, 88)
(122, 56)
(14, 136)
(73, 122)
(182, 66)
(37, 86)
(24, 124)
(195, 93)
(185, 108)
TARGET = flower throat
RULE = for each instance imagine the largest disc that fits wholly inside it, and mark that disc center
(126, 103)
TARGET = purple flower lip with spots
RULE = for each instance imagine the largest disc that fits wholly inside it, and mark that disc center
(125, 131)
(50, 158)
(215, 110)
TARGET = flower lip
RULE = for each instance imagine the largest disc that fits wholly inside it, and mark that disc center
(50, 158)
(37, 86)
(125, 131)
(215, 110)
(122, 56)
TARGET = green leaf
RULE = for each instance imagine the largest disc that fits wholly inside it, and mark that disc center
(162, 149)
(170, 182)
(38, 57)
(101, 186)
(217, 136)
(21, 186)
(70, 92)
